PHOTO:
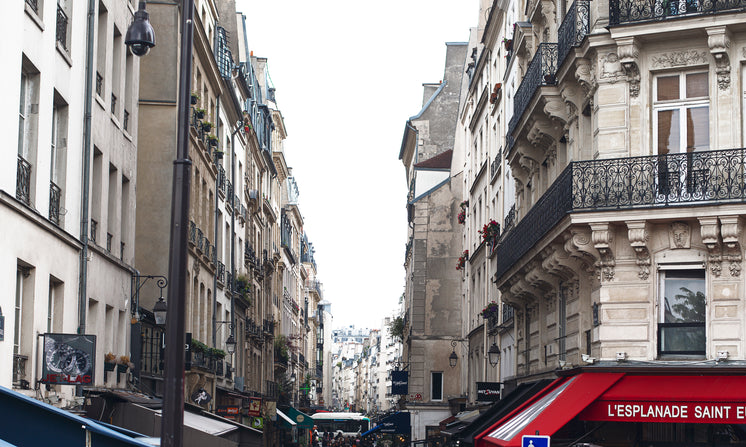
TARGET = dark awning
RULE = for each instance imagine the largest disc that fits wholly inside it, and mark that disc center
(397, 423)
(501, 408)
(303, 420)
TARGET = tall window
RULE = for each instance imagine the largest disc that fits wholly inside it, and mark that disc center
(58, 159)
(681, 330)
(681, 126)
(436, 386)
(64, 8)
(27, 131)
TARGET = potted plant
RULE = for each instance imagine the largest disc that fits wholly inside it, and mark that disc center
(508, 44)
(199, 113)
(206, 126)
(243, 287)
(123, 362)
(212, 140)
(462, 214)
(219, 154)
(490, 230)
(194, 99)
(217, 353)
(462, 260)
(490, 310)
(109, 361)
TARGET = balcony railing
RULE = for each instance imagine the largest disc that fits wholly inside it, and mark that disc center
(200, 240)
(573, 30)
(19, 370)
(23, 180)
(628, 183)
(622, 12)
(192, 232)
(61, 27)
(541, 71)
(221, 178)
(221, 272)
(99, 84)
(34, 4)
(55, 194)
(94, 230)
(271, 390)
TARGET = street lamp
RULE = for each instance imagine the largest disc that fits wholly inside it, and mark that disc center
(493, 354)
(159, 311)
(230, 345)
(140, 38)
(453, 358)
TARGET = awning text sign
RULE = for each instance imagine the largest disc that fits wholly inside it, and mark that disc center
(686, 412)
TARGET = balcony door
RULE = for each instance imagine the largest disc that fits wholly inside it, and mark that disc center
(681, 123)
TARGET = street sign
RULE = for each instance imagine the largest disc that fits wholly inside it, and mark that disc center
(535, 441)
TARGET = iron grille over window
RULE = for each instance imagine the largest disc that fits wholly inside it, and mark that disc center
(61, 27)
(223, 55)
(23, 181)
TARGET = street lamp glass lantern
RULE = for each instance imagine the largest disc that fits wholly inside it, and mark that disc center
(453, 359)
(230, 344)
(159, 311)
(140, 36)
(493, 354)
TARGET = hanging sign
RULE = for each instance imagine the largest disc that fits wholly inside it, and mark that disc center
(488, 391)
(68, 359)
(399, 382)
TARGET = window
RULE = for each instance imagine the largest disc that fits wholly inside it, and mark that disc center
(681, 126)
(28, 114)
(58, 159)
(681, 330)
(436, 386)
(64, 7)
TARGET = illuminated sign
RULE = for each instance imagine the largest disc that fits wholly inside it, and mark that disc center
(685, 412)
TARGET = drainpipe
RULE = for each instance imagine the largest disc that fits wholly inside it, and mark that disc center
(233, 223)
(86, 180)
(215, 238)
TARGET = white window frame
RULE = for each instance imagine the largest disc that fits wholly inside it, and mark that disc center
(681, 104)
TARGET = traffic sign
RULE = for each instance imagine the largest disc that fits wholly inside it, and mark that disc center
(535, 441)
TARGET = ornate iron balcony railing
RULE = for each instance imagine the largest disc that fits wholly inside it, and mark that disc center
(655, 181)
(200, 240)
(192, 232)
(573, 30)
(99, 84)
(541, 71)
(221, 272)
(221, 178)
(55, 194)
(61, 27)
(23, 180)
(622, 12)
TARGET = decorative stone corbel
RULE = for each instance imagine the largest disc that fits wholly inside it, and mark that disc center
(603, 235)
(730, 230)
(629, 53)
(638, 235)
(709, 231)
(584, 75)
(578, 246)
(718, 39)
(556, 261)
(542, 132)
(556, 109)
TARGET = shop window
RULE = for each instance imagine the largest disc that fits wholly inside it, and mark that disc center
(681, 328)
(436, 386)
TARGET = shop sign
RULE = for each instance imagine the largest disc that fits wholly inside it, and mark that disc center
(670, 412)
(255, 406)
(227, 410)
(201, 397)
(257, 423)
(69, 359)
(399, 382)
(488, 391)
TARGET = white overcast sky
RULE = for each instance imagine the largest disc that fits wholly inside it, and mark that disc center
(348, 75)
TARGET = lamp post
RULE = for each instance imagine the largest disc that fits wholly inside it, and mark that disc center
(453, 358)
(140, 37)
(493, 354)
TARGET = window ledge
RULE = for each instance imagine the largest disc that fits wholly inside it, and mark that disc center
(100, 101)
(64, 53)
(34, 16)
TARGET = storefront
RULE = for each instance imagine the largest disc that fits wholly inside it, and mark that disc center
(630, 406)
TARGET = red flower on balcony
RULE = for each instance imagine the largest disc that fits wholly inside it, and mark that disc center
(462, 260)
(490, 230)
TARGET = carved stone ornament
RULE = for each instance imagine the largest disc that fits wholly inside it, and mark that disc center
(584, 75)
(638, 235)
(629, 54)
(611, 68)
(603, 235)
(578, 246)
(680, 59)
(196, 267)
(680, 235)
(730, 229)
(718, 40)
(710, 231)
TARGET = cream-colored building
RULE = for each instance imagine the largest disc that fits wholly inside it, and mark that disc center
(67, 196)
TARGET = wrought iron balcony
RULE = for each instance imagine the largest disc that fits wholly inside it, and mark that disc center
(23, 180)
(192, 232)
(94, 230)
(573, 30)
(656, 181)
(200, 240)
(61, 27)
(99, 84)
(623, 12)
(496, 163)
(221, 178)
(221, 272)
(55, 194)
(541, 71)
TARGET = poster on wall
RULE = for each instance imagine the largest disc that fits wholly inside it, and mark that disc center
(255, 406)
(69, 359)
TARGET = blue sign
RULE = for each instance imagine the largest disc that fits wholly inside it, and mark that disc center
(399, 382)
(535, 441)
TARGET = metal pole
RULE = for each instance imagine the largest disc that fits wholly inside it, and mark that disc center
(172, 420)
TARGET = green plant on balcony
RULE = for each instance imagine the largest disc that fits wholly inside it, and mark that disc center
(243, 288)
(462, 260)
(212, 140)
(462, 214)
(110, 361)
(216, 353)
(206, 126)
(281, 348)
(396, 330)
(198, 346)
(199, 113)
(194, 98)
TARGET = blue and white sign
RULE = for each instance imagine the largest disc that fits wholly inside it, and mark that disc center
(535, 441)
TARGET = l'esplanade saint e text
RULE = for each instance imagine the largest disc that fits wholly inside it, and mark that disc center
(668, 412)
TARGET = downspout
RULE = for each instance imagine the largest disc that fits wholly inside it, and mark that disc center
(86, 180)
(215, 238)
(233, 232)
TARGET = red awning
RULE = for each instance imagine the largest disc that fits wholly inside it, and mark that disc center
(549, 410)
(683, 398)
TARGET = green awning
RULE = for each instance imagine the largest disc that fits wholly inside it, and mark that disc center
(303, 420)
